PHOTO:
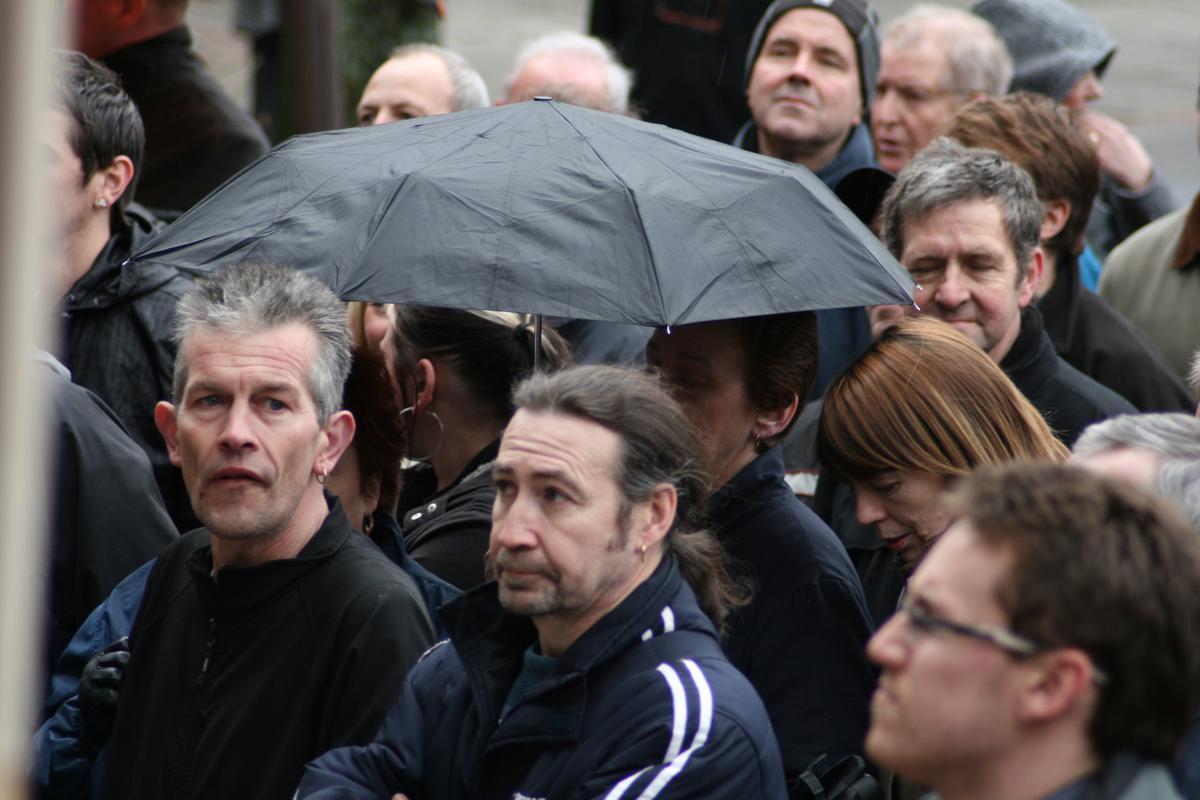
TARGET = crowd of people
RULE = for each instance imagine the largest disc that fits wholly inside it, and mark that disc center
(309, 548)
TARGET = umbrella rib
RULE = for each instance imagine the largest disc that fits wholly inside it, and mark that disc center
(636, 209)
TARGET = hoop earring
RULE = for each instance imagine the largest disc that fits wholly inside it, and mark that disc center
(323, 478)
(412, 424)
(643, 552)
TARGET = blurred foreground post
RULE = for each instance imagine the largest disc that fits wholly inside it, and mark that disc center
(26, 35)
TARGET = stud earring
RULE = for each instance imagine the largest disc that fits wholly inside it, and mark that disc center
(101, 202)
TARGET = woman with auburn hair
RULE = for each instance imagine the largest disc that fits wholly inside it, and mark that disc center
(921, 407)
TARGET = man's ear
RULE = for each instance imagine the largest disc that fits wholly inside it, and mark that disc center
(1054, 218)
(1057, 683)
(129, 13)
(337, 433)
(1027, 289)
(770, 423)
(168, 426)
(658, 517)
(112, 181)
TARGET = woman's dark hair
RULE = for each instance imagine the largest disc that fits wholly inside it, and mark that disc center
(380, 436)
(488, 351)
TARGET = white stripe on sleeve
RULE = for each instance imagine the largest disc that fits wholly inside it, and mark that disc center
(680, 761)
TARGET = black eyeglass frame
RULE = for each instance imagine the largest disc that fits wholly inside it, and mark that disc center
(1013, 643)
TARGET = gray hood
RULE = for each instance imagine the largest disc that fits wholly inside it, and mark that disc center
(1053, 43)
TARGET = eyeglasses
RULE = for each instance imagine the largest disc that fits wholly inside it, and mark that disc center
(924, 622)
(921, 621)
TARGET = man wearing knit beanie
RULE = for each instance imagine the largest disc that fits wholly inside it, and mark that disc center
(1062, 51)
(810, 73)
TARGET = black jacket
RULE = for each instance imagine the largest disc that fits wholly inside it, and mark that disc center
(1094, 338)
(802, 640)
(236, 681)
(1068, 399)
(106, 517)
(643, 704)
(117, 326)
(196, 136)
(447, 532)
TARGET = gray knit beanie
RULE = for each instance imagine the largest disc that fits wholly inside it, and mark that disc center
(1053, 43)
(860, 20)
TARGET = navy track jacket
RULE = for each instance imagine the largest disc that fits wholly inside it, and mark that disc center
(643, 705)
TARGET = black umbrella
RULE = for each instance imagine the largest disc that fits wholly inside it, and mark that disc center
(543, 208)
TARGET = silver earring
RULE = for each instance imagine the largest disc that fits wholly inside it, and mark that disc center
(101, 202)
(412, 425)
(323, 478)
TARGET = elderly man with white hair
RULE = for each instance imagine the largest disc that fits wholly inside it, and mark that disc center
(934, 60)
(573, 68)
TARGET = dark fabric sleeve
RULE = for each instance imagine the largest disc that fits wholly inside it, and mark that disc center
(604, 21)
(811, 671)
(390, 639)
(108, 517)
(729, 764)
(1118, 213)
(390, 764)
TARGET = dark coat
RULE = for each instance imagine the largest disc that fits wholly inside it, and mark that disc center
(236, 681)
(117, 326)
(196, 136)
(687, 62)
(106, 517)
(66, 766)
(802, 639)
(389, 538)
(1098, 341)
(643, 699)
(447, 532)
(1068, 399)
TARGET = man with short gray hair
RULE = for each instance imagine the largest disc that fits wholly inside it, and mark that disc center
(573, 68)
(966, 223)
(934, 60)
(278, 625)
(420, 80)
(1157, 451)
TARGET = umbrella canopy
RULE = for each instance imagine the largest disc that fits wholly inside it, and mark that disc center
(542, 208)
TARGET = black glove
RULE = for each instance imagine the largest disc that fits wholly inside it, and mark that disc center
(99, 688)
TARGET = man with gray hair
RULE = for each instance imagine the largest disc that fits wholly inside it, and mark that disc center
(1157, 451)
(573, 68)
(278, 625)
(420, 80)
(934, 60)
(966, 223)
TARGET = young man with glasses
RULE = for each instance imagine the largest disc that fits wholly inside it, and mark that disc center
(1048, 646)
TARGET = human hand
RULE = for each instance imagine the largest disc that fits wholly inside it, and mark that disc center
(99, 689)
(1121, 154)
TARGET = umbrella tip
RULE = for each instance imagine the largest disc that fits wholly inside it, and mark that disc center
(668, 330)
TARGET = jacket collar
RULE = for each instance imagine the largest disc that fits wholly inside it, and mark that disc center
(236, 590)
(857, 152)
(1187, 254)
(755, 482)
(112, 278)
(142, 58)
(1059, 307)
(490, 642)
(1031, 359)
